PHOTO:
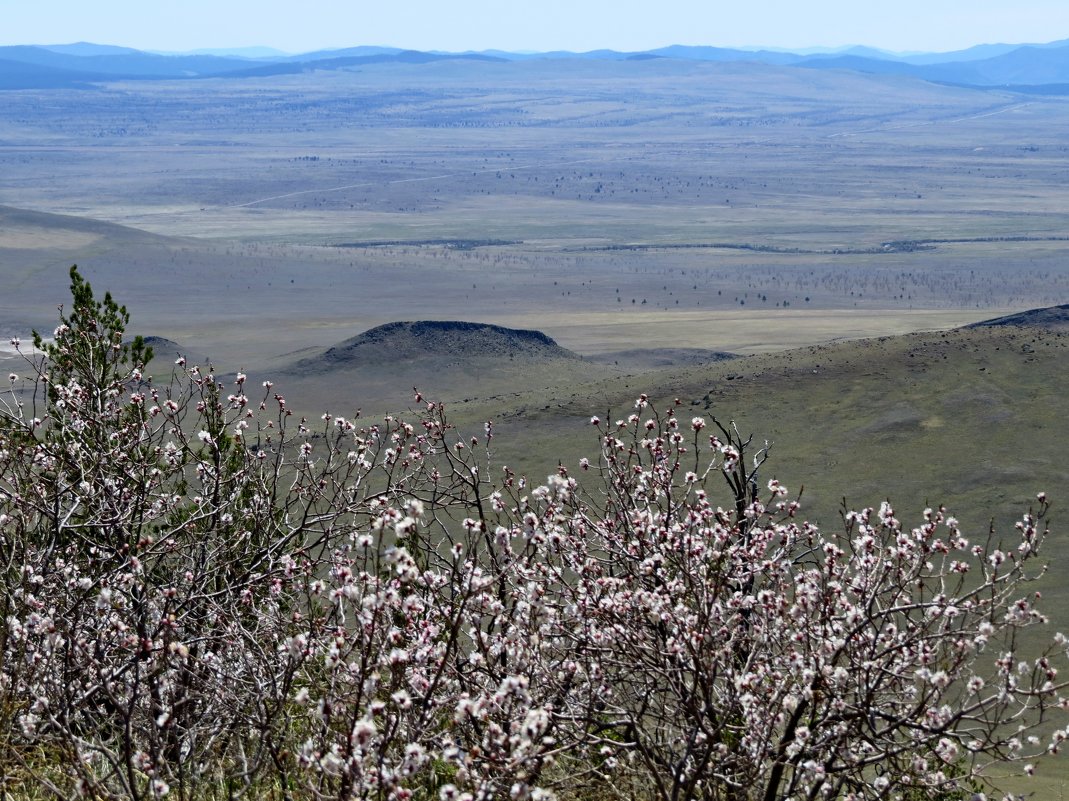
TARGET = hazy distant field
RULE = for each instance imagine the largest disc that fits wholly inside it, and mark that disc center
(744, 187)
(613, 205)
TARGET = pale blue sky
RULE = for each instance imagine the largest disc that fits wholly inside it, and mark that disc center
(533, 25)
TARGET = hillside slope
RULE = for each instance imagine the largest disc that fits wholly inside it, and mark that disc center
(975, 418)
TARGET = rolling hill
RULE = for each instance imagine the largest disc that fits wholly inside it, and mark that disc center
(973, 417)
(26, 229)
(80, 64)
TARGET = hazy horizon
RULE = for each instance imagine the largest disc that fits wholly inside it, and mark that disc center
(909, 26)
(267, 51)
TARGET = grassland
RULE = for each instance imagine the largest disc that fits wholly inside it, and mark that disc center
(625, 188)
(615, 206)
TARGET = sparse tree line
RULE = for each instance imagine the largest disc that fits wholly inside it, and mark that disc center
(204, 597)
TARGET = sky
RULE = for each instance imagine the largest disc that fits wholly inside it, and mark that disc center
(303, 25)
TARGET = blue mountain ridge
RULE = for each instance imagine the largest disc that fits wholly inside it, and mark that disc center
(1030, 67)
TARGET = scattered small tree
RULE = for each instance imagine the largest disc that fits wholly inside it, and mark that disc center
(205, 597)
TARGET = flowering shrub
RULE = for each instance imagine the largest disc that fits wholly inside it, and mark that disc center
(204, 597)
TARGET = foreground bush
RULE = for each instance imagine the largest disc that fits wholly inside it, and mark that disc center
(205, 598)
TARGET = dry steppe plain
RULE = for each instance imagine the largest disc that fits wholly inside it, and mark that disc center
(617, 206)
(832, 228)
(683, 204)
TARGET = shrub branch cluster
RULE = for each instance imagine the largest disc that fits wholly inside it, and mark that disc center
(206, 597)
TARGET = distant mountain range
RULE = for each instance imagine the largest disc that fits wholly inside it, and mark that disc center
(1030, 68)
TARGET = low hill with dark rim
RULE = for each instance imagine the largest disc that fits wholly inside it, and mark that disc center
(166, 351)
(445, 342)
(1051, 318)
(461, 361)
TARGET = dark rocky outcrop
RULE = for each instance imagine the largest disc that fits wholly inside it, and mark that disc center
(445, 341)
(1051, 318)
